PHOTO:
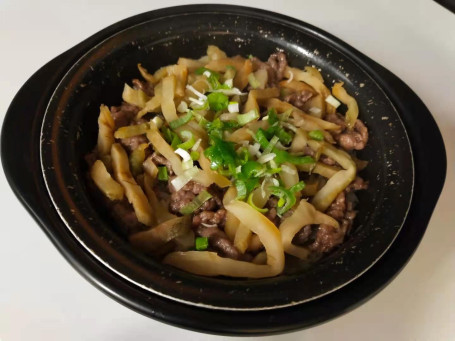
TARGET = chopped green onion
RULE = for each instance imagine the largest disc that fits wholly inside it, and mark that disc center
(286, 197)
(271, 145)
(277, 130)
(190, 141)
(162, 174)
(226, 172)
(196, 203)
(243, 155)
(230, 72)
(201, 70)
(261, 138)
(241, 189)
(264, 158)
(183, 154)
(186, 134)
(194, 155)
(167, 134)
(213, 78)
(286, 200)
(233, 107)
(274, 171)
(158, 121)
(229, 83)
(316, 135)
(218, 101)
(285, 116)
(201, 120)
(284, 137)
(332, 101)
(182, 107)
(248, 117)
(181, 120)
(171, 137)
(230, 92)
(201, 243)
(253, 168)
(187, 164)
(253, 81)
(181, 180)
(196, 145)
(272, 116)
(273, 164)
(297, 187)
(283, 156)
(252, 204)
(229, 125)
(175, 141)
(221, 154)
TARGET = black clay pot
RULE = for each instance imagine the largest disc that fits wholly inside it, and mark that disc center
(67, 93)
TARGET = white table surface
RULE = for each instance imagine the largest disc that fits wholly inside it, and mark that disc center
(43, 298)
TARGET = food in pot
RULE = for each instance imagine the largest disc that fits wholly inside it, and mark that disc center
(231, 165)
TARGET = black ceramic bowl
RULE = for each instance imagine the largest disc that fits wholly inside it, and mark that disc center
(93, 72)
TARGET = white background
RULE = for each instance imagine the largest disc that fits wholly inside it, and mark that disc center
(43, 298)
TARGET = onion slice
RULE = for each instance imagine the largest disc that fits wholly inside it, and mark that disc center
(332, 101)
(208, 263)
(304, 214)
(181, 180)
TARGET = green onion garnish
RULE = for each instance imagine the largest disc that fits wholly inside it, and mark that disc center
(175, 141)
(272, 171)
(253, 168)
(243, 155)
(201, 243)
(285, 115)
(261, 138)
(194, 155)
(181, 120)
(218, 101)
(297, 187)
(286, 197)
(316, 135)
(201, 119)
(272, 144)
(230, 72)
(252, 204)
(253, 81)
(221, 154)
(196, 203)
(213, 78)
(201, 71)
(241, 189)
(272, 116)
(283, 156)
(162, 174)
(248, 117)
(190, 141)
(284, 136)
